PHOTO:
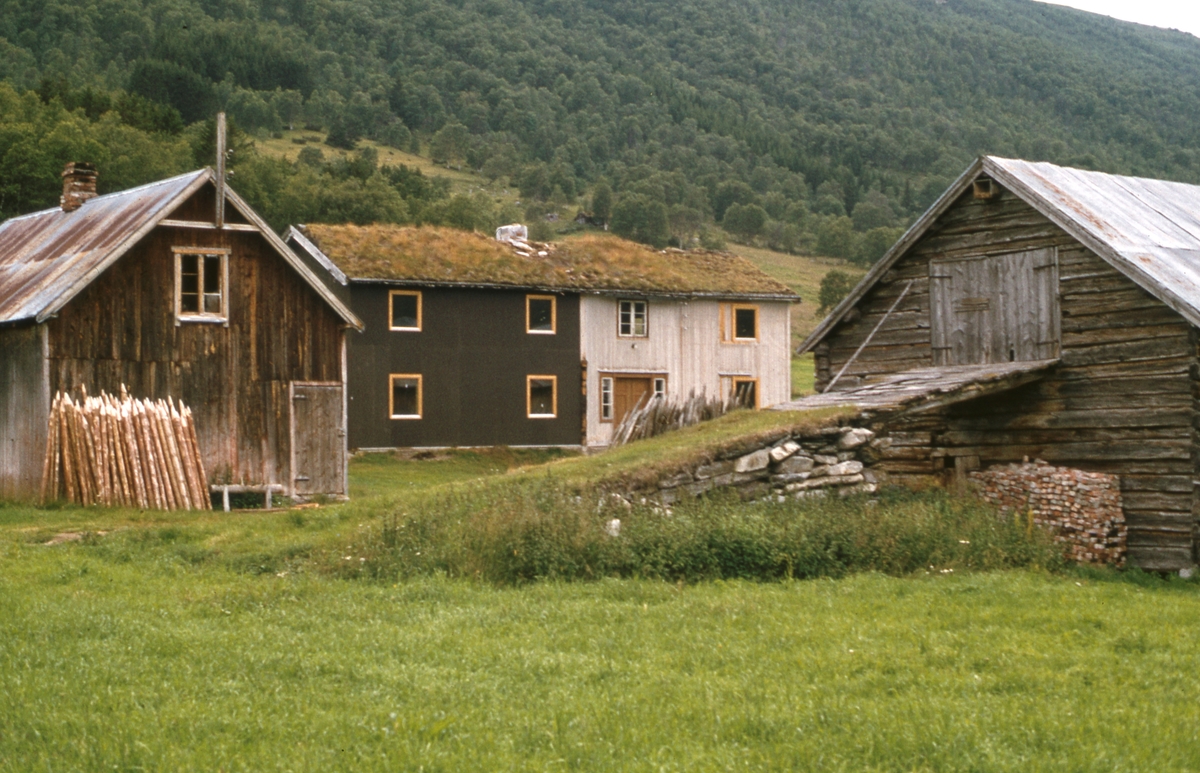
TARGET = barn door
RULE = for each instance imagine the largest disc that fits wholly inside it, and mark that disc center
(999, 308)
(318, 438)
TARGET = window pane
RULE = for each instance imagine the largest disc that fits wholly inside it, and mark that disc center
(404, 310)
(541, 314)
(744, 323)
(212, 274)
(639, 318)
(660, 387)
(746, 393)
(406, 397)
(626, 318)
(541, 397)
(606, 398)
(189, 283)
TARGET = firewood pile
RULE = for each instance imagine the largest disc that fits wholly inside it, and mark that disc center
(124, 452)
(654, 415)
(1083, 510)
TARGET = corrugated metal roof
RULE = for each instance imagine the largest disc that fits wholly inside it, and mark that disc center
(45, 256)
(48, 257)
(1147, 229)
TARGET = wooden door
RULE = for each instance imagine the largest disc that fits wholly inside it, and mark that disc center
(318, 438)
(998, 308)
(627, 390)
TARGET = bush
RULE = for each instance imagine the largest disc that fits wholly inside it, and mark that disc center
(541, 530)
(835, 286)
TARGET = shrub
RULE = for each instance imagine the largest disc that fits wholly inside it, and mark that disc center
(540, 530)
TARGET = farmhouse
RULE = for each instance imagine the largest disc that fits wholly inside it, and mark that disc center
(471, 341)
(1045, 313)
(174, 289)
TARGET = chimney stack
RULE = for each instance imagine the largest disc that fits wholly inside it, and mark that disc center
(79, 185)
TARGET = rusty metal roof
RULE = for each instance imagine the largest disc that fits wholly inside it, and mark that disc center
(48, 257)
(1147, 229)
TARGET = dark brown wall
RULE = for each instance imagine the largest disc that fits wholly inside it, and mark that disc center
(121, 330)
(1121, 401)
(24, 408)
(474, 354)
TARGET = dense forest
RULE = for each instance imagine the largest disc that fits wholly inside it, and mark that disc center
(823, 125)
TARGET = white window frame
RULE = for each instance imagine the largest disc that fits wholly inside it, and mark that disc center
(182, 316)
(660, 386)
(606, 398)
(633, 318)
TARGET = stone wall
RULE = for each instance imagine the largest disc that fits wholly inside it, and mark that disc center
(1082, 509)
(832, 459)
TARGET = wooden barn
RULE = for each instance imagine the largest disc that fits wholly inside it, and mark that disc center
(179, 289)
(1049, 313)
(471, 341)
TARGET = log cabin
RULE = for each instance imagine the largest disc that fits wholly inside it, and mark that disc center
(173, 289)
(1039, 312)
(473, 341)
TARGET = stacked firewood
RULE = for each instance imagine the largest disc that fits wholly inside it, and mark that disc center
(654, 415)
(124, 452)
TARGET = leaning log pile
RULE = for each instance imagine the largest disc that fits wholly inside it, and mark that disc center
(124, 452)
(654, 415)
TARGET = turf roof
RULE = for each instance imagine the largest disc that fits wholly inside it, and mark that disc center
(594, 262)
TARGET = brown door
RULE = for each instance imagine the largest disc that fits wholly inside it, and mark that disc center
(626, 393)
(318, 439)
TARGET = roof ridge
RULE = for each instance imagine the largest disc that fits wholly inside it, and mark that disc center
(114, 194)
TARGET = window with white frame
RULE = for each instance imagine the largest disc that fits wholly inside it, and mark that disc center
(606, 398)
(631, 319)
(201, 284)
(660, 387)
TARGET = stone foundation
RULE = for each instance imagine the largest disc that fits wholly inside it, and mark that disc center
(837, 459)
(1082, 509)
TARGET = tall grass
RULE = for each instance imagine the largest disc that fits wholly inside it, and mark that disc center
(542, 530)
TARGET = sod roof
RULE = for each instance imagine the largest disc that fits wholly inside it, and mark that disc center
(590, 263)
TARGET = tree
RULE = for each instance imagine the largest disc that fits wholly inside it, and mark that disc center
(745, 222)
(602, 201)
(728, 193)
(685, 222)
(873, 211)
(835, 237)
(874, 243)
(835, 286)
(449, 144)
(642, 219)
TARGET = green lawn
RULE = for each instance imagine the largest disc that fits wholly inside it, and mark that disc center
(137, 659)
(212, 642)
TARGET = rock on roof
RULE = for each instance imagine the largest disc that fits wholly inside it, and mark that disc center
(593, 263)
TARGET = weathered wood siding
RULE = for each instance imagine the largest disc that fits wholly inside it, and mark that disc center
(684, 343)
(121, 330)
(1124, 399)
(24, 411)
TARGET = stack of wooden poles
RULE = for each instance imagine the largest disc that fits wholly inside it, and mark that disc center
(124, 452)
(655, 415)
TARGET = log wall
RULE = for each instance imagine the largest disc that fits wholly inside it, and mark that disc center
(24, 411)
(1125, 398)
(121, 330)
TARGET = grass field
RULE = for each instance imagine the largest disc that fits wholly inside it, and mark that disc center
(211, 642)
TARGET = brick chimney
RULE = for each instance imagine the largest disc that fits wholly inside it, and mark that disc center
(79, 185)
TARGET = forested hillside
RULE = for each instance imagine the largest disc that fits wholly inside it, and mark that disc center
(818, 124)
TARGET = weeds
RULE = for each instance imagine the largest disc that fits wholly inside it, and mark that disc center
(543, 530)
